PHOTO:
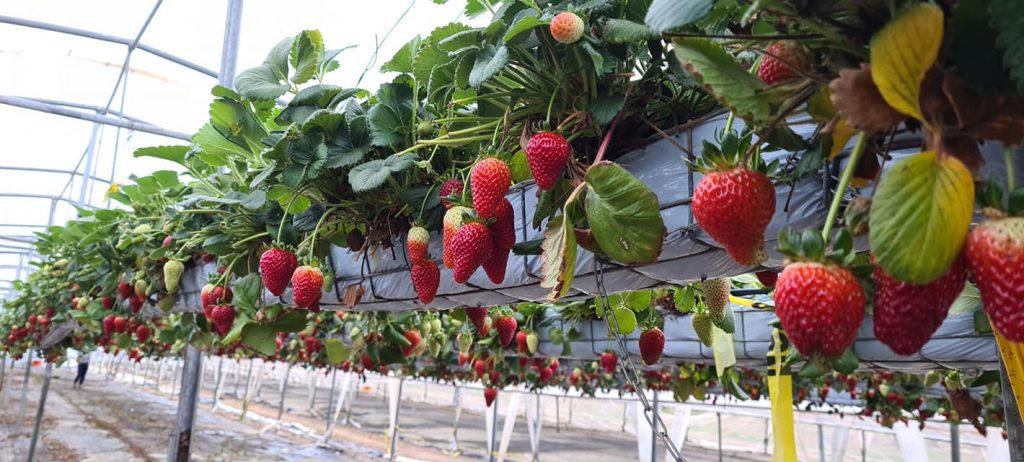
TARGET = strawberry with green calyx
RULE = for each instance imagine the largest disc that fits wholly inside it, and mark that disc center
(417, 241)
(470, 246)
(703, 326)
(716, 297)
(652, 344)
(506, 326)
(173, 269)
(223, 317)
(451, 192)
(609, 361)
(995, 257)
(276, 267)
(489, 180)
(426, 278)
(566, 27)
(735, 200)
(547, 153)
(453, 220)
(307, 286)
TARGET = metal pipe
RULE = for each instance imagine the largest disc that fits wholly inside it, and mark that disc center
(718, 416)
(39, 412)
(229, 53)
(654, 432)
(88, 107)
(398, 408)
(106, 38)
(494, 429)
(61, 111)
(954, 442)
(821, 443)
(24, 388)
(863, 447)
(181, 439)
(46, 170)
(284, 392)
(330, 402)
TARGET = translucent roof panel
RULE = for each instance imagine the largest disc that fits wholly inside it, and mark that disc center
(41, 150)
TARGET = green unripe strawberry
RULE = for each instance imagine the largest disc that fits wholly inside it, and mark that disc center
(702, 326)
(173, 270)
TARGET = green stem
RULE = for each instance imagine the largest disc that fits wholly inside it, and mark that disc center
(1008, 160)
(254, 236)
(551, 104)
(316, 231)
(284, 215)
(844, 182)
(728, 122)
(454, 141)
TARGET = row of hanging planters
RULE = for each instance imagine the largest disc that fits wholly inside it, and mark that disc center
(554, 94)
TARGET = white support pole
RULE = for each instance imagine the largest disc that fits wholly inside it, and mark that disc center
(511, 412)
(643, 434)
(311, 382)
(24, 388)
(911, 442)
(284, 393)
(37, 427)
(339, 403)
(394, 406)
(218, 385)
(996, 449)
(534, 423)
(453, 442)
(680, 427)
(839, 438)
(491, 426)
(330, 398)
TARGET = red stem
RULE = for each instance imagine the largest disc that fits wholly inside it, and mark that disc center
(607, 139)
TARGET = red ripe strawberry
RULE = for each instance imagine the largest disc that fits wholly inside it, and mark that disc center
(521, 345)
(276, 266)
(609, 362)
(778, 59)
(495, 377)
(142, 334)
(820, 307)
(995, 256)
(480, 367)
(32, 319)
(547, 153)
(906, 315)
(108, 302)
(452, 186)
(652, 344)
(489, 180)
(471, 246)
(506, 326)
(476, 316)
(545, 374)
(124, 290)
(767, 278)
(120, 324)
(554, 364)
(425, 279)
(135, 302)
(312, 344)
(452, 222)
(223, 316)
(413, 336)
(463, 359)
(108, 325)
(490, 393)
(566, 27)
(212, 295)
(495, 265)
(367, 361)
(503, 230)
(734, 207)
(417, 242)
(307, 286)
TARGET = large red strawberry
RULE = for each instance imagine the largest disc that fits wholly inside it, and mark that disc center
(767, 278)
(426, 277)
(522, 346)
(142, 334)
(496, 264)
(307, 286)
(906, 315)
(417, 242)
(124, 290)
(414, 338)
(108, 325)
(566, 27)
(503, 229)
(453, 186)
(276, 266)
(489, 180)
(506, 326)
(547, 153)
(471, 246)
(995, 256)
(820, 306)
(609, 361)
(121, 324)
(734, 207)
(652, 344)
(782, 60)
(107, 302)
(212, 295)
(476, 316)
(135, 303)
(223, 316)
(453, 219)
(490, 393)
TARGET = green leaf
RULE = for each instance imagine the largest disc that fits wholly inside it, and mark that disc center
(402, 60)
(624, 215)
(374, 173)
(337, 352)
(730, 82)
(969, 301)
(255, 200)
(307, 220)
(920, 216)
(219, 245)
(622, 31)
(488, 63)
(290, 321)
(685, 299)
(669, 14)
(238, 125)
(305, 55)
(390, 119)
(523, 25)
(1006, 19)
(247, 293)
(973, 49)
(626, 319)
(261, 83)
(260, 338)
(605, 106)
(848, 362)
(174, 154)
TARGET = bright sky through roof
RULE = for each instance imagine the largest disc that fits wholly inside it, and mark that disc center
(49, 65)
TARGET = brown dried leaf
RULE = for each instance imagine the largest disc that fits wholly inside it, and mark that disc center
(857, 100)
(353, 295)
(958, 112)
(964, 148)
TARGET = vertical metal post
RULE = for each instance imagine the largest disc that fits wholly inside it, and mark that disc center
(284, 391)
(219, 383)
(3, 371)
(954, 442)
(181, 439)
(145, 373)
(767, 425)
(159, 373)
(821, 443)
(398, 408)
(558, 418)
(654, 431)
(494, 430)
(47, 375)
(1012, 417)
(24, 388)
(718, 418)
(330, 400)
(863, 447)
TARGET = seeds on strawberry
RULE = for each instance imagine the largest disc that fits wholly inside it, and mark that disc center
(173, 270)
(142, 334)
(476, 316)
(820, 307)
(490, 393)
(995, 256)
(417, 242)
(453, 219)
(566, 27)
(652, 344)
(734, 207)
(426, 277)
(506, 326)
(609, 361)
(702, 325)
(547, 153)
(495, 265)
(779, 61)
(307, 286)
(489, 180)
(223, 317)
(503, 230)
(413, 336)
(453, 186)
(906, 315)
(276, 267)
(716, 297)
(471, 246)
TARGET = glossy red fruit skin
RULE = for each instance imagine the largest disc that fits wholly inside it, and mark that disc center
(820, 307)
(120, 324)
(417, 242)
(223, 316)
(124, 290)
(452, 186)
(135, 303)
(489, 180)
(506, 326)
(521, 346)
(413, 336)
(773, 70)
(906, 315)
(476, 315)
(471, 245)
(108, 303)
(503, 230)
(547, 154)
(734, 207)
(142, 334)
(276, 266)
(496, 265)
(108, 325)
(767, 278)
(307, 286)
(995, 257)
(490, 393)
(652, 344)
(426, 278)
(609, 362)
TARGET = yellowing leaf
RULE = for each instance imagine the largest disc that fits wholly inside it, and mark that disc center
(920, 216)
(841, 134)
(903, 52)
(558, 256)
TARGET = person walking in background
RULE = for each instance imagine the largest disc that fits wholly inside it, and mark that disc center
(83, 367)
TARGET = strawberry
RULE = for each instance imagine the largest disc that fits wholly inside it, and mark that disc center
(995, 256)
(778, 61)
(767, 278)
(312, 344)
(486, 331)
(120, 324)
(480, 367)
(471, 246)
(463, 359)
(426, 277)
(489, 180)
(506, 326)
(307, 286)
(609, 362)
(554, 364)
(547, 154)
(141, 286)
(142, 334)
(490, 393)
(276, 266)
(906, 315)
(532, 341)
(545, 374)
(413, 336)
(108, 325)
(135, 303)
(503, 230)
(820, 307)
(702, 325)
(417, 242)
(521, 346)
(495, 265)
(453, 186)
(107, 302)
(212, 295)
(223, 316)
(566, 27)
(734, 207)
(168, 240)
(716, 297)
(476, 316)
(465, 340)
(124, 290)
(367, 361)
(452, 222)
(173, 270)
(652, 343)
